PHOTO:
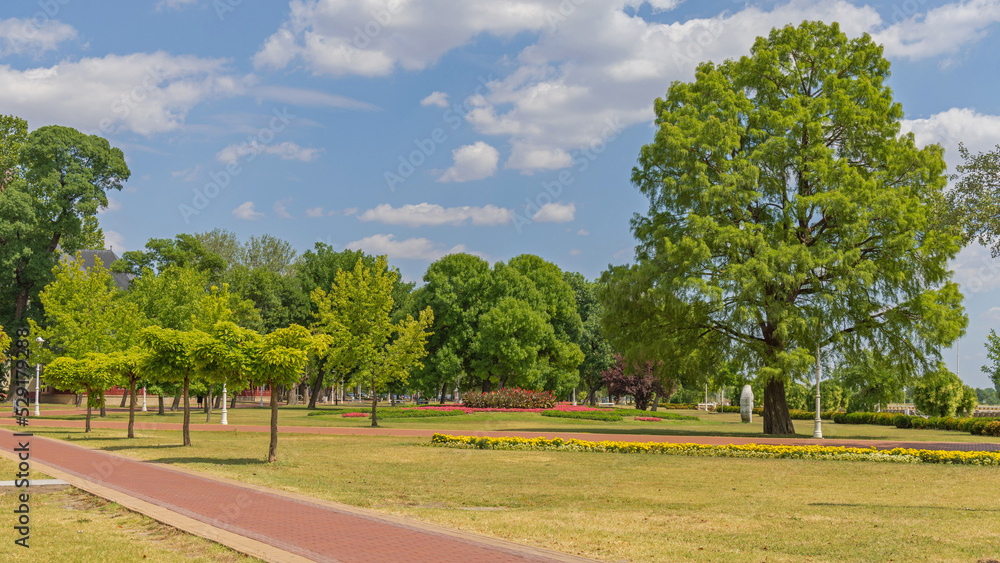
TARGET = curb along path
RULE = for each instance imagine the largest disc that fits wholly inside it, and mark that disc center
(315, 531)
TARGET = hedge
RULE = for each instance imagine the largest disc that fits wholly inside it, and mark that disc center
(390, 412)
(765, 451)
(657, 414)
(589, 415)
(979, 426)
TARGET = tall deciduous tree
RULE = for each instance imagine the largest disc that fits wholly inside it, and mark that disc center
(638, 381)
(319, 267)
(598, 356)
(51, 181)
(787, 212)
(993, 353)
(939, 392)
(454, 289)
(357, 316)
(974, 200)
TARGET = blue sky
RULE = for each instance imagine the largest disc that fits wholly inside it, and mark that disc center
(415, 128)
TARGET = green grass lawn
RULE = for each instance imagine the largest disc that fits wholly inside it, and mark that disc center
(712, 424)
(619, 507)
(72, 526)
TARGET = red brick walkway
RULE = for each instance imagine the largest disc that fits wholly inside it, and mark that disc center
(314, 531)
(419, 433)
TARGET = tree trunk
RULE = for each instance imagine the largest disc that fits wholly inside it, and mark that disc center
(176, 403)
(232, 403)
(79, 399)
(293, 394)
(318, 386)
(160, 400)
(124, 398)
(218, 401)
(104, 403)
(87, 427)
(272, 449)
(776, 417)
(655, 401)
(187, 412)
(392, 399)
(131, 408)
(208, 406)
(591, 397)
(374, 405)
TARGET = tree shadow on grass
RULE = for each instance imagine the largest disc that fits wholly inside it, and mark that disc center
(904, 507)
(210, 461)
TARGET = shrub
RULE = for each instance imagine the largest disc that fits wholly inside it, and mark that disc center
(666, 415)
(902, 421)
(919, 422)
(509, 398)
(588, 415)
(991, 428)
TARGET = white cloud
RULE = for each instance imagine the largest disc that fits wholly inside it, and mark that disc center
(975, 270)
(583, 232)
(372, 38)
(145, 93)
(978, 131)
(113, 205)
(310, 98)
(175, 4)
(412, 248)
(113, 240)
(247, 212)
(575, 252)
(425, 214)
(349, 211)
(555, 213)
(591, 73)
(25, 36)
(439, 99)
(992, 314)
(472, 162)
(314, 212)
(188, 174)
(942, 30)
(286, 151)
(281, 208)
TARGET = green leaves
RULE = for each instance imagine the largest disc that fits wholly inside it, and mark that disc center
(786, 212)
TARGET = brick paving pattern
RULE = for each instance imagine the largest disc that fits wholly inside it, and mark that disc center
(314, 531)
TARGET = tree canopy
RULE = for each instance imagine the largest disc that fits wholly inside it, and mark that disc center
(787, 212)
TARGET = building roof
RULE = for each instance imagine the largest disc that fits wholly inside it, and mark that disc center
(123, 281)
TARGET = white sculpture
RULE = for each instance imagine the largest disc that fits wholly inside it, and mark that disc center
(746, 404)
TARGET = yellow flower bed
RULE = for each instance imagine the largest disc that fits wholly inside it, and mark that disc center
(897, 455)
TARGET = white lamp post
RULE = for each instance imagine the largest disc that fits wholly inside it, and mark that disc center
(38, 372)
(224, 421)
(818, 432)
(143, 398)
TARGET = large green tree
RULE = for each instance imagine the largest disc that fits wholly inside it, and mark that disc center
(787, 212)
(52, 182)
(974, 200)
(454, 289)
(598, 356)
(356, 316)
(993, 354)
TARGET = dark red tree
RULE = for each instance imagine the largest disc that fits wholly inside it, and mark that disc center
(640, 383)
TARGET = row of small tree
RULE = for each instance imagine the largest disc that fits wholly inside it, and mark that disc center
(169, 330)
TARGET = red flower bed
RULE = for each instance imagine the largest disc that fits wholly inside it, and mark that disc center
(354, 414)
(510, 398)
(467, 410)
(648, 418)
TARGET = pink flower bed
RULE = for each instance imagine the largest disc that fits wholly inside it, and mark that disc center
(354, 414)
(467, 410)
(648, 418)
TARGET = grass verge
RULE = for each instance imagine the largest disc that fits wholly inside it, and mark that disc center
(621, 507)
